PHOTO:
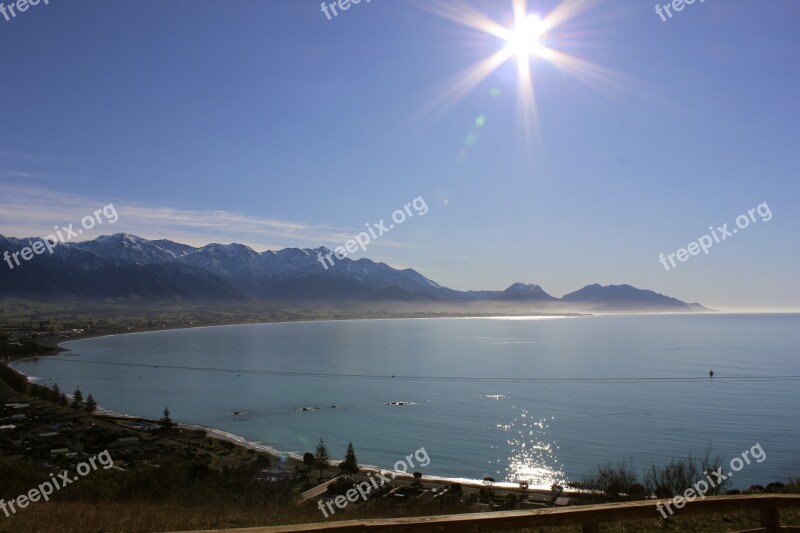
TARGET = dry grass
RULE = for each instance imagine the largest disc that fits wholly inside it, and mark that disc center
(138, 517)
(144, 517)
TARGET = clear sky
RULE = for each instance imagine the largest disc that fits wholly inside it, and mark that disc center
(263, 122)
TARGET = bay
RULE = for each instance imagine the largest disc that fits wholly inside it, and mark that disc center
(544, 399)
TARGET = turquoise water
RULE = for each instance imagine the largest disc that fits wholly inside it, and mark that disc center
(583, 391)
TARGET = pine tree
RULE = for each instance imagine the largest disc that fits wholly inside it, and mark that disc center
(350, 464)
(90, 405)
(322, 458)
(166, 422)
(63, 400)
(77, 399)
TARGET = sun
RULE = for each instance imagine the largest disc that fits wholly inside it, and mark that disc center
(525, 40)
(529, 36)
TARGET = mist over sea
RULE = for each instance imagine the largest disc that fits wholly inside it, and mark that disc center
(541, 399)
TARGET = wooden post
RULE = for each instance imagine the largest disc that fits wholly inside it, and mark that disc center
(771, 517)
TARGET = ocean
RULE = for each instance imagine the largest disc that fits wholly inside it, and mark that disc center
(543, 399)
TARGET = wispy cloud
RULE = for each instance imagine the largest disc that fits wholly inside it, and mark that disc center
(29, 158)
(44, 176)
(30, 211)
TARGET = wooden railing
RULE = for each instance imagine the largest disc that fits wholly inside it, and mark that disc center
(589, 516)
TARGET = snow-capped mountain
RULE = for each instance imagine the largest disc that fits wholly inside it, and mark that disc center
(127, 266)
(123, 248)
(229, 270)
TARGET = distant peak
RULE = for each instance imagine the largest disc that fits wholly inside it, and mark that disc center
(120, 237)
(520, 288)
(523, 286)
(525, 291)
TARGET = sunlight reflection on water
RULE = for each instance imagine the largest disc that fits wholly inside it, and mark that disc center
(532, 457)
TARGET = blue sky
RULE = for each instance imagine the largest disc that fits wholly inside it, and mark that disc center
(263, 122)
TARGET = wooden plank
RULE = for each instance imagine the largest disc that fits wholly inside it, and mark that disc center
(784, 529)
(563, 516)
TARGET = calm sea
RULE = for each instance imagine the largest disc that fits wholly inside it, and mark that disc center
(535, 398)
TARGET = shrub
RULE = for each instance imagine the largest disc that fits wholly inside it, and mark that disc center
(638, 491)
(611, 479)
(775, 486)
(680, 474)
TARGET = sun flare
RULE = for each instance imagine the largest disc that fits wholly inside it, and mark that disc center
(529, 36)
(525, 39)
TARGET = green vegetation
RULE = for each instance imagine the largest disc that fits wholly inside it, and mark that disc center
(165, 423)
(349, 466)
(24, 348)
(621, 481)
(77, 399)
(90, 405)
(322, 458)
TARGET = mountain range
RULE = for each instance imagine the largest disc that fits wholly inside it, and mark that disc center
(124, 266)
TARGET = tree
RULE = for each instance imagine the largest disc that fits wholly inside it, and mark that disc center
(322, 458)
(350, 464)
(63, 400)
(77, 399)
(90, 405)
(165, 423)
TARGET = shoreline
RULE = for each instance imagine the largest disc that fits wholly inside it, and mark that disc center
(365, 468)
(281, 456)
(53, 347)
(287, 460)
